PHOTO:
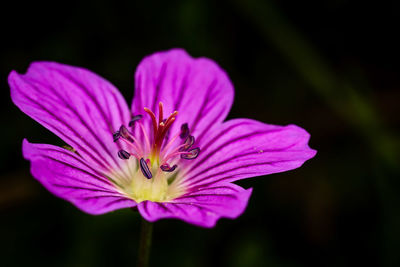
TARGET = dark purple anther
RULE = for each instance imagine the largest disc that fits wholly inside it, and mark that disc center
(116, 136)
(122, 154)
(184, 131)
(167, 168)
(191, 154)
(124, 133)
(188, 143)
(145, 169)
(134, 118)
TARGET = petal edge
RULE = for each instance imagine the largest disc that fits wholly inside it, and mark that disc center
(203, 208)
(67, 176)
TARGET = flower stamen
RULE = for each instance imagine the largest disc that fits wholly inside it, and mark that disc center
(134, 119)
(167, 168)
(146, 137)
(184, 131)
(145, 169)
(122, 154)
(155, 159)
(191, 154)
(188, 143)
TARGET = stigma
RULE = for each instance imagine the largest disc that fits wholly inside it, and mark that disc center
(157, 154)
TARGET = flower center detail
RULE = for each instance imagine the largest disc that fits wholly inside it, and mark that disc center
(157, 156)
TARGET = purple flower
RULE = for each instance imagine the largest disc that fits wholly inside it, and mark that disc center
(171, 155)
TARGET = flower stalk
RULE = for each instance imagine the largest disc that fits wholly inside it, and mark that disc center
(146, 231)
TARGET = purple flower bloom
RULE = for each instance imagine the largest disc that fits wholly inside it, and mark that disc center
(171, 155)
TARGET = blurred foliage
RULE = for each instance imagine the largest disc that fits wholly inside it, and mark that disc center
(328, 66)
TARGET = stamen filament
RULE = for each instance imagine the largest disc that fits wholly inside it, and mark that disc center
(146, 137)
(169, 144)
(134, 146)
(174, 155)
(177, 149)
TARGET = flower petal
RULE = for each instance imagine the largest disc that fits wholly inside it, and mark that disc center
(77, 105)
(196, 87)
(202, 207)
(244, 148)
(68, 176)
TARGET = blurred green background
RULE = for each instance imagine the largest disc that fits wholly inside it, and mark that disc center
(330, 66)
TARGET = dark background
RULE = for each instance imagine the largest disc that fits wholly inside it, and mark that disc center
(330, 66)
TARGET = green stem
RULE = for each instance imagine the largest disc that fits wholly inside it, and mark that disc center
(146, 230)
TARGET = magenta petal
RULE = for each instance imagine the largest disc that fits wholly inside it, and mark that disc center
(196, 87)
(68, 176)
(202, 207)
(244, 148)
(80, 107)
(85, 111)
